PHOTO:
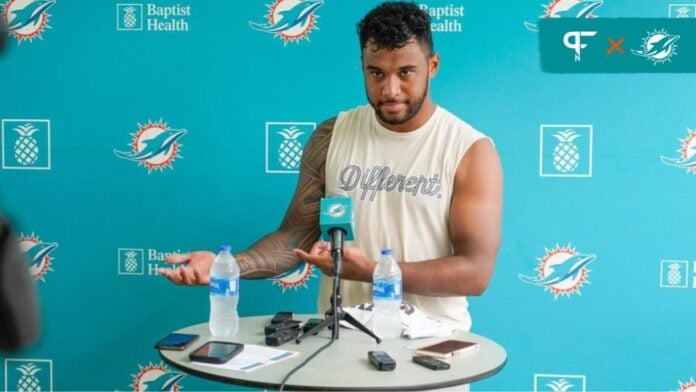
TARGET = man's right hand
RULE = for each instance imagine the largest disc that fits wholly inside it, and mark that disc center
(196, 272)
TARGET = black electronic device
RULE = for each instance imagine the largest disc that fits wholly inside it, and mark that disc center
(216, 352)
(430, 362)
(311, 323)
(282, 336)
(289, 324)
(281, 317)
(175, 341)
(381, 360)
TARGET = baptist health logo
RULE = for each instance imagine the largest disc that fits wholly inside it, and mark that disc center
(152, 17)
(559, 382)
(155, 146)
(682, 10)
(290, 20)
(562, 271)
(134, 261)
(26, 144)
(445, 19)
(285, 142)
(37, 254)
(686, 158)
(26, 19)
(676, 274)
(28, 375)
(156, 378)
(565, 150)
(567, 9)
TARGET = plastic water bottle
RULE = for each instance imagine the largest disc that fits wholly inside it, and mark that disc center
(224, 294)
(386, 296)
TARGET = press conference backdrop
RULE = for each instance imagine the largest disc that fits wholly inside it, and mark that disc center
(593, 189)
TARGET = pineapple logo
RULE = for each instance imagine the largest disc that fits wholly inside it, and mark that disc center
(156, 378)
(26, 144)
(154, 145)
(682, 10)
(26, 19)
(24, 375)
(37, 254)
(562, 271)
(566, 151)
(296, 277)
(674, 273)
(129, 17)
(285, 143)
(689, 386)
(130, 261)
(290, 20)
(559, 382)
(567, 9)
(686, 153)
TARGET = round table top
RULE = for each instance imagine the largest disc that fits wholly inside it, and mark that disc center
(344, 365)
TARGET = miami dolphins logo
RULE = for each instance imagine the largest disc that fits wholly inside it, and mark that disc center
(563, 271)
(295, 277)
(688, 386)
(155, 146)
(26, 19)
(336, 210)
(156, 378)
(290, 20)
(687, 153)
(659, 47)
(567, 9)
(37, 254)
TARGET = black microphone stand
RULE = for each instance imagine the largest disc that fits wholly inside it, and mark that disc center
(336, 314)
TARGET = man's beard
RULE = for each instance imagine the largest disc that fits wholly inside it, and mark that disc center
(412, 109)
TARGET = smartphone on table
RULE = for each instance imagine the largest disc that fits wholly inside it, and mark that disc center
(216, 352)
(447, 348)
(176, 341)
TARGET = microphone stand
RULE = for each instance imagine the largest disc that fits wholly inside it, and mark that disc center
(336, 314)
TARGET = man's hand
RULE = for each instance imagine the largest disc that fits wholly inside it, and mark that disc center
(356, 265)
(196, 272)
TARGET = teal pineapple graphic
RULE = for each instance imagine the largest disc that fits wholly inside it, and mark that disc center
(290, 150)
(566, 157)
(26, 148)
(559, 386)
(28, 381)
(674, 276)
(129, 18)
(131, 263)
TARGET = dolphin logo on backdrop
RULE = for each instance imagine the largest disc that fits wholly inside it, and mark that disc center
(659, 47)
(562, 271)
(37, 254)
(26, 19)
(290, 20)
(687, 153)
(156, 378)
(567, 9)
(689, 386)
(155, 146)
(295, 277)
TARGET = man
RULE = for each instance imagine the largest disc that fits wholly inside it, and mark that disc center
(424, 183)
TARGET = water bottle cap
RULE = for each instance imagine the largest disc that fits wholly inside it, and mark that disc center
(225, 248)
(387, 252)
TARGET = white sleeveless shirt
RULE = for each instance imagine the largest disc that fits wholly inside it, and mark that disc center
(401, 185)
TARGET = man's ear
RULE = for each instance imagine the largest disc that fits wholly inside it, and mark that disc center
(433, 65)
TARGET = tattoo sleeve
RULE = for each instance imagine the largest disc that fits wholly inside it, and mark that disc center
(272, 254)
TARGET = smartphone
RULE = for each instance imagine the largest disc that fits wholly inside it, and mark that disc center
(176, 341)
(447, 348)
(216, 352)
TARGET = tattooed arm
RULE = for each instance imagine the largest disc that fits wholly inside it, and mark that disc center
(272, 254)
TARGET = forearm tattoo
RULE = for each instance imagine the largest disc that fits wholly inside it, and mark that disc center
(272, 254)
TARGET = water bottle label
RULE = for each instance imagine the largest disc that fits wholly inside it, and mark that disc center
(387, 289)
(225, 287)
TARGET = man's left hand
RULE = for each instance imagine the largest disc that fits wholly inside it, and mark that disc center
(356, 265)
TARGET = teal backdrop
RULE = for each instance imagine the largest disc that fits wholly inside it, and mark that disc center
(593, 165)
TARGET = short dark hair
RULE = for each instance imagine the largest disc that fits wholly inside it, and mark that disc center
(394, 24)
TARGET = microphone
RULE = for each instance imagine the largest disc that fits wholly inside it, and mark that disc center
(337, 219)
